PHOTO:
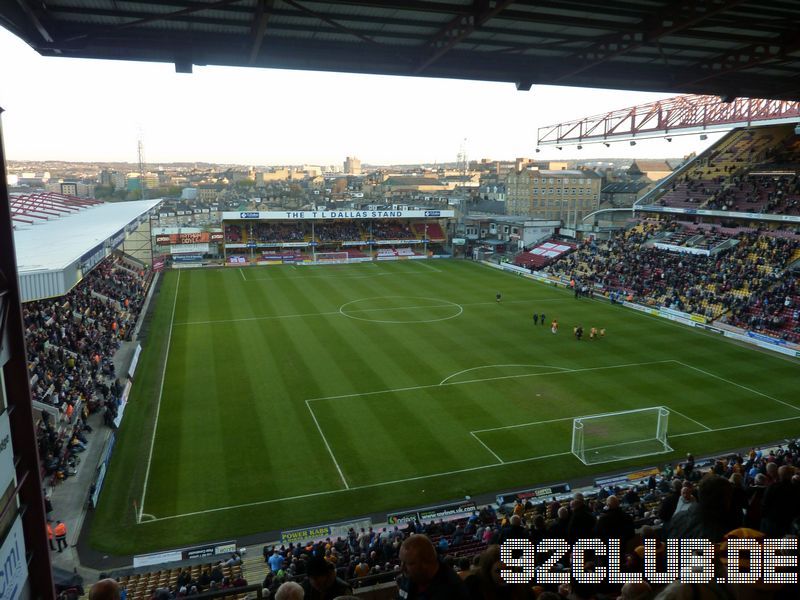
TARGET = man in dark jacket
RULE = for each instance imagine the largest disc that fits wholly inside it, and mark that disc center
(322, 582)
(425, 577)
(615, 523)
(514, 530)
(781, 504)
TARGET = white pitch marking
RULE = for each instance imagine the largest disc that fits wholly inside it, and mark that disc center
(324, 439)
(689, 418)
(524, 424)
(744, 387)
(482, 443)
(737, 426)
(421, 263)
(327, 314)
(466, 470)
(241, 272)
(160, 393)
(496, 366)
(450, 304)
(265, 318)
(363, 487)
(520, 376)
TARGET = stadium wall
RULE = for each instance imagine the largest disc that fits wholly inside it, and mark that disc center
(37, 285)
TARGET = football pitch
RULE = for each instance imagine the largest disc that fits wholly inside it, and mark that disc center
(274, 397)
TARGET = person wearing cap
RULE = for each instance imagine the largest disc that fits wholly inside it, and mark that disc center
(424, 575)
(322, 582)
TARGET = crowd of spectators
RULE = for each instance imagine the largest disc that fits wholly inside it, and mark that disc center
(70, 344)
(233, 233)
(731, 280)
(279, 232)
(389, 230)
(776, 312)
(338, 231)
(765, 194)
(749, 494)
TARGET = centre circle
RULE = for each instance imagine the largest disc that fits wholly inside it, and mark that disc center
(401, 309)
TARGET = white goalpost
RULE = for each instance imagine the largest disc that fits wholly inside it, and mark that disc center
(620, 435)
(332, 258)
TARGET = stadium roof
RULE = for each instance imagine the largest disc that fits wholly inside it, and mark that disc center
(721, 47)
(56, 244)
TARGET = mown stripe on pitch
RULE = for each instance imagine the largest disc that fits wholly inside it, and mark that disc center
(288, 344)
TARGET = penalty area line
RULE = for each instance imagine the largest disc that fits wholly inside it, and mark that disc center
(739, 385)
(357, 487)
(706, 427)
(482, 443)
(734, 427)
(324, 439)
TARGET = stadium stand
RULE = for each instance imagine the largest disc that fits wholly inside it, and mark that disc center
(716, 498)
(233, 233)
(392, 230)
(433, 231)
(71, 341)
(750, 170)
(736, 278)
(186, 581)
(339, 232)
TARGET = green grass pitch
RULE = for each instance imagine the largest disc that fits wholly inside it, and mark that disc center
(294, 396)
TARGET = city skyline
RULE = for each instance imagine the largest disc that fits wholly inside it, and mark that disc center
(95, 111)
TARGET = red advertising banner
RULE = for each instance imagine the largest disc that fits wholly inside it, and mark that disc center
(201, 237)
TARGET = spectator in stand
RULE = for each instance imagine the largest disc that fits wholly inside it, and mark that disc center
(290, 591)
(488, 584)
(322, 582)
(710, 517)
(275, 561)
(615, 523)
(514, 530)
(105, 589)
(781, 504)
(582, 521)
(424, 575)
(560, 528)
(670, 502)
(686, 499)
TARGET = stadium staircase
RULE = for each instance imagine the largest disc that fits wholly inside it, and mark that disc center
(794, 262)
(254, 569)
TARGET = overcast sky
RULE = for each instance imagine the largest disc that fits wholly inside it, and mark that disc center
(87, 110)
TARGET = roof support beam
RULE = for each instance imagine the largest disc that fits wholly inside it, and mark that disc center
(263, 12)
(668, 21)
(459, 28)
(163, 17)
(747, 57)
(330, 21)
(34, 20)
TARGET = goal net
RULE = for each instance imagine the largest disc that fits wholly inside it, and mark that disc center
(332, 257)
(620, 435)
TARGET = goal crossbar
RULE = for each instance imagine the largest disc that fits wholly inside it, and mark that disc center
(620, 435)
(332, 257)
